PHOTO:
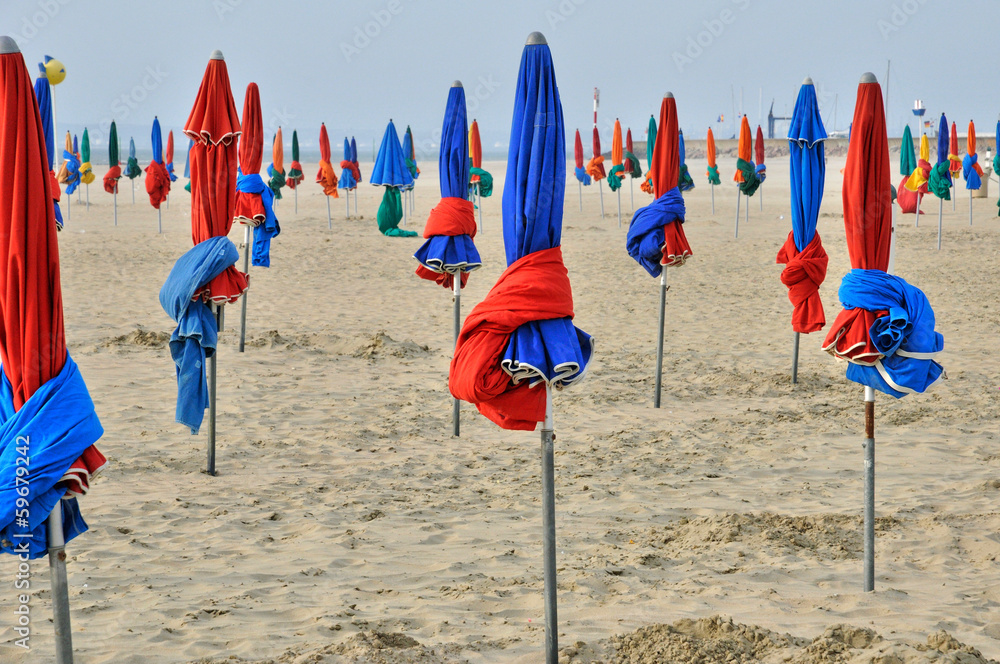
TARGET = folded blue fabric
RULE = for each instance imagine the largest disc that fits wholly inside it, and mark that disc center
(50, 432)
(197, 332)
(972, 179)
(906, 335)
(645, 238)
(582, 176)
(262, 233)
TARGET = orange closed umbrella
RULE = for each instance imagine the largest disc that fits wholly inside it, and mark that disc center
(971, 170)
(617, 169)
(713, 167)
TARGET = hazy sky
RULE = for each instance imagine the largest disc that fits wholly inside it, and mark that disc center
(355, 64)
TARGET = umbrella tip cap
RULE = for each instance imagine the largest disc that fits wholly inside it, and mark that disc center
(216, 55)
(668, 95)
(807, 80)
(535, 39)
(457, 84)
(868, 77)
(8, 45)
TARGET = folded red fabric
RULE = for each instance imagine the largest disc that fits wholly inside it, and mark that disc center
(111, 179)
(803, 274)
(533, 288)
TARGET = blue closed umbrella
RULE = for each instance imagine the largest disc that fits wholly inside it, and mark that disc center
(347, 179)
(803, 254)
(449, 251)
(157, 139)
(390, 171)
(939, 180)
(684, 181)
(43, 95)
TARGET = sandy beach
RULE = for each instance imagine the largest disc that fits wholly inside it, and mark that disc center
(346, 524)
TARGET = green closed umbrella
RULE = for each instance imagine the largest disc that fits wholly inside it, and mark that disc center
(86, 168)
(295, 176)
(114, 169)
(907, 156)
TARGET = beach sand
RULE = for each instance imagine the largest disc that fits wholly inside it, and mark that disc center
(347, 525)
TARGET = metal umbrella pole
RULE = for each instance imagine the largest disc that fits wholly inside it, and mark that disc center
(760, 197)
(916, 215)
(115, 196)
(712, 187)
(457, 276)
(347, 199)
(213, 363)
(631, 192)
(940, 213)
(869, 526)
(296, 190)
(746, 218)
(580, 185)
(87, 186)
(549, 532)
(132, 180)
(60, 586)
(738, 197)
(970, 209)
(619, 207)
(329, 218)
(479, 198)
(69, 207)
(355, 203)
(795, 359)
(159, 220)
(246, 270)
(659, 337)
(600, 188)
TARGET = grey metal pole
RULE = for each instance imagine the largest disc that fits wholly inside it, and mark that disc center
(869, 566)
(347, 199)
(917, 215)
(739, 196)
(954, 190)
(713, 199)
(212, 391)
(549, 530)
(246, 270)
(760, 197)
(631, 191)
(355, 203)
(580, 187)
(455, 407)
(159, 220)
(296, 200)
(795, 360)
(115, 196)
(970, 209)
(329, 219)
(600, 188)
(479, 198)
(88, 196)
(132, 180)
(619, 207)
(746, 217)
(60, 587)
(659, 337)
(940, 213)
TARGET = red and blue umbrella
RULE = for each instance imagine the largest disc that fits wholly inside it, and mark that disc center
(802, 254)
(44, 402)
(157, 177)
(886, 330)
(684, 180)
(656, 236)
(168, 156)
(451, 225)
(520, 341)
(350, 174)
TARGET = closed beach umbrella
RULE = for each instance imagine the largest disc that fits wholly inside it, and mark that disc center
(357, 170)
(157, 178)
(44, 402)
(746, 171)
(168, 156)
(632, 165)
(684, 180)
(520, 342)
(918, 180)
(802, 254)
(132, 169)
(886, 330)
(69, 174)
(954, 158)
(647, 183)
(907, 154)
(713, 167)
(390, 171)
(86, 168)
(114, 173)
(939, 180)
(595, 167)
(410, 152)
(276, 169)
(326, 177)
(480, 181)
(349, 175)
(451, 225)
(617, 167)
(43, 95)
(582, 177)
(207, 271)
(971, 170)
(295, 174)
(761, 168)
(254, 199)
(656, 238)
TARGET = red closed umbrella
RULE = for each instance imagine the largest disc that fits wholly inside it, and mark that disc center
(326, 177)
(666, 170)
(250, 207)
(214, 127)
(32, 339)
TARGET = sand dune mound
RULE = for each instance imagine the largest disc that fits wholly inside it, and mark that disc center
(138, 338)
(717, 639)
